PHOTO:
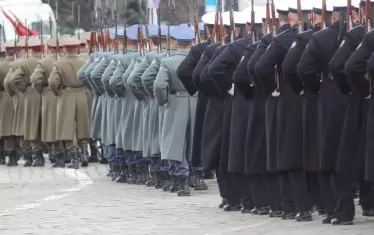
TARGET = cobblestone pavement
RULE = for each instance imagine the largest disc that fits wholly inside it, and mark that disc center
(56, 201)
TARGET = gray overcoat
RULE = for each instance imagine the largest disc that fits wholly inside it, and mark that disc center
(179, 110)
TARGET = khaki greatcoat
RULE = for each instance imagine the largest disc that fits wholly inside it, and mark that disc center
(73, 104)
(39, 81)
(6, 102)
(30, 118)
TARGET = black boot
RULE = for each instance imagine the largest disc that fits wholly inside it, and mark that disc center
(39, 160)
(2, 158)
(75, 160)
(304, 216)
(192, 179)
(184, 187)
(93, 157)
(260, 211)
(12, 155)
(152, 181)
(176, 184)
(223, 203)
(84, 156)
(209, 175)
(123, 177)
(232, 207)
(200, 184)
(141, 171)
(133, 175)
(60, 161)
(167, 182)
(116, 171)
(110, 173)
(103, 160)
(28, 159)
(326, 219)
(275, 214)
(288, 215)
(159, 180)
(337, 221)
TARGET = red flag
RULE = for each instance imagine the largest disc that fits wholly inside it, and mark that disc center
(30, 31)
(16, 26)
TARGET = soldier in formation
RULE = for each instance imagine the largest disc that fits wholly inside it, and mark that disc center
(279, 108)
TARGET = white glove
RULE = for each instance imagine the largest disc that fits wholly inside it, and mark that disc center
(275, 93)
(368, 97)
(301, 92)
(232, 90)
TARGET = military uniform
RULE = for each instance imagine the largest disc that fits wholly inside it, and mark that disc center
(48, 109)
(8, 141)
(73, 114)
(180, 108)
(31, 145)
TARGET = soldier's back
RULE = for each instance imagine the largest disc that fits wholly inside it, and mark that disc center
(69, 66)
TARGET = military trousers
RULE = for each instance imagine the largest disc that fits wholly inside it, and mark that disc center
(238, 190)
(259, 188)
(342, 187)
(120, 157)
(301, 197)
(29, 147)
(9, 143)
(314, 190)
(177, 168)
(327, 193)
(288, 203)
(110, 153)
(274, 191)
(157, 164)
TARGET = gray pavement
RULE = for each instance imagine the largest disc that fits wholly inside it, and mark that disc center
(56, 201)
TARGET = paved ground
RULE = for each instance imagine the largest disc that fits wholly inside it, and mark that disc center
(55, 201)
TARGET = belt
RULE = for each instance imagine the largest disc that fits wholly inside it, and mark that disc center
(181, 93)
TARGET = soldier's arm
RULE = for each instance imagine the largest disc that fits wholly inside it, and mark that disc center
(82, 75)
(36, 78)
(128, 71)
(149, 76)
(108, 73)
(115, 81)
(135, 76)
(308, 67)
(8, 85)
(18, 79)
(241, 78)
(96, 76)
(356, 67)
(186, 68)
(140, 69)
(289, 66)
(161, 84)
(265, 67)
(54, 81)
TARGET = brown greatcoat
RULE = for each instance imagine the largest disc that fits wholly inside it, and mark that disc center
(6, 102)
(39, 80)
(73, 105)
(18, 99)
(32, 99)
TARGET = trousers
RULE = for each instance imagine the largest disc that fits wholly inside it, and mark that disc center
(302, 199)
(178, 168)
(259, 188)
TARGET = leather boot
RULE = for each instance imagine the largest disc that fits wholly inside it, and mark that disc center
(326, 219)
(67, 158)
(110, 173)
(208, 174)
(223, 203)
(260, 211)
(167, 182)
(141, 174)
(38, 160)
(12, 155)
(116, 171)
(75, 161)
(200, 184)
(184, 187)
(192, 178)
(176, 184)
(133, 175)
(60, 161)
(337, 221)
(93, 157)
(123, 177)
(28, 159)
(84, 156)
(2, 158)
(303, 216)
(288, 215)
(103, 160)
(275, 214)
(159, 180)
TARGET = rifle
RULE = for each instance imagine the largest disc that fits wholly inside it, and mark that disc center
(159, 29)
(27, 40)
(267, 21)
(232, 23)
(253, 27)
(57, 23)
(79, 22)
(124, 49)
(215, 27)
(116, 49)
(168, 37)
(41, 38)
(349, 15)
(324, 15)
(273, 18)
(106, 39)
(368, 16)
(147, 39)
(196, 23)
(300, 16)
(188, 13)
(221, 26)
(140, 30)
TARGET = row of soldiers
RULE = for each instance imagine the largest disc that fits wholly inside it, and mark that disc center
(286, 120)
